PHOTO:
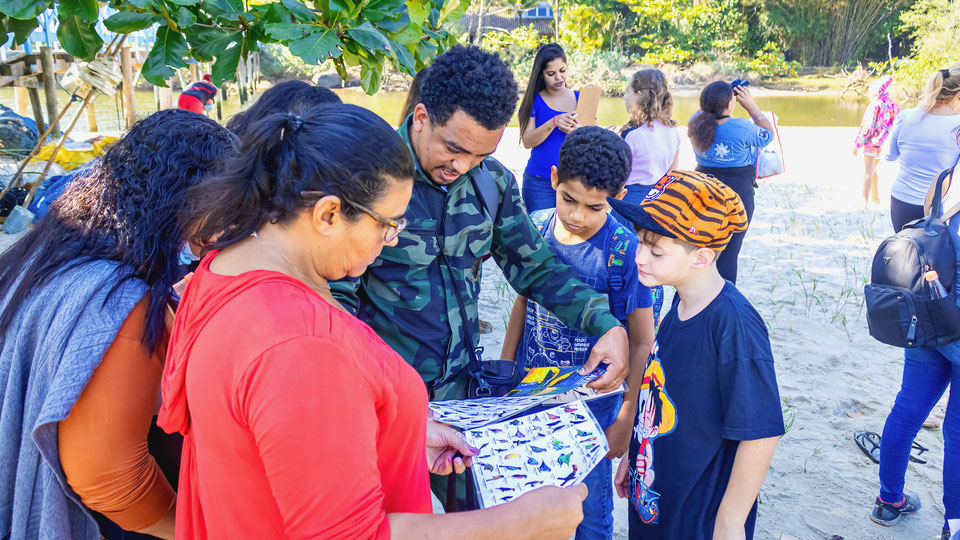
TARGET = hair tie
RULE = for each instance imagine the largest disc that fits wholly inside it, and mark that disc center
(945, 73)
(294, 121)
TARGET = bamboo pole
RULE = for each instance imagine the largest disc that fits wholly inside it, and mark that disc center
(49, 85)
(129, 97)
(63, 139)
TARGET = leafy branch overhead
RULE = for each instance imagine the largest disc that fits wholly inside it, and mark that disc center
(372, 34)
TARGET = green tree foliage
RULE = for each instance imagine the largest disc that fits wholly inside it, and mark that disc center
(830, 32)
(680, 31)
(933, 25)
(372, 34)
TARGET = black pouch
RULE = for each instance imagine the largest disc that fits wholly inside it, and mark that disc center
(493, 378)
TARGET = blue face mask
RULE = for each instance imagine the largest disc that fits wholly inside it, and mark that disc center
(186, 254)
(208, 108)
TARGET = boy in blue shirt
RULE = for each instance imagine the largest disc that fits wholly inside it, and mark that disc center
(709, 417)
(594, 164)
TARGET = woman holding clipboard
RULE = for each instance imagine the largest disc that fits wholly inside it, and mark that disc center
(547, 113)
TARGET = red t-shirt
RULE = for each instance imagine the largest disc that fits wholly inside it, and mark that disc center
(299, 421)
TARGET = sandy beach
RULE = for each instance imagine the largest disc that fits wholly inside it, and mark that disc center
(804, 263)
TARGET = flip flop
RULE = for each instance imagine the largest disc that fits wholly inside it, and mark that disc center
(920, 450)
(869, 442)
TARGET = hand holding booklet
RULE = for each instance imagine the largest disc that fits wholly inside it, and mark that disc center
(557, 446)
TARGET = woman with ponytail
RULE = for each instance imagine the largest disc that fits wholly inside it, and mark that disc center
(85, 299)
(726, 148)
(924, 142)
(547, 113)
(298, 421)
(651, 133)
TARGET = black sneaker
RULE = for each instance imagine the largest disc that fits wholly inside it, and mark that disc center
(888, 514)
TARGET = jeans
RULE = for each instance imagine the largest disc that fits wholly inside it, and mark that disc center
(635, 195)
(537, 193)
(926, 375)
(597, 521)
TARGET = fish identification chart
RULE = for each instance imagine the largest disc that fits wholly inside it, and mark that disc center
(555, 447)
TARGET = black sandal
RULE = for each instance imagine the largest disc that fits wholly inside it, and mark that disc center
(869, 442)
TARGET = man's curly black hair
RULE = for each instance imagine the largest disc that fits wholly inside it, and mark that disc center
(476, 82)
(597, 157)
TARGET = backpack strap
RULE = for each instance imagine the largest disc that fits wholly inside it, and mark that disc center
(618, 245)
(486, 187)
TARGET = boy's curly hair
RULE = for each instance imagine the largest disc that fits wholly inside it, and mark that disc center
(597, 157)
(476, 82)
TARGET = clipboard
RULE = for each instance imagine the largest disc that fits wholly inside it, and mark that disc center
(587, 105)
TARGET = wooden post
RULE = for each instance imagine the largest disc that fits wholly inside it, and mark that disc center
(50, 86)
(37, 108)
(166, 97)
(21, 99)
(129, 97)
(91, 119)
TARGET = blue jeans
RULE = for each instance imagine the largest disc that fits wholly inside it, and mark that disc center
(635, 195)
(537, 193)
(597, 521)
(926, 375)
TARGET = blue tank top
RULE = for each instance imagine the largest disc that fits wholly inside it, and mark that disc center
(546, 154)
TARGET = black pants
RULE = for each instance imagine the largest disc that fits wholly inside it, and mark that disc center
(902, 213)
(740, 180)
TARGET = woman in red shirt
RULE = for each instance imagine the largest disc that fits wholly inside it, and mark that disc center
(299, 422)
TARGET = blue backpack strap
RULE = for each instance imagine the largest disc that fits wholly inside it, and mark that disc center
(618, 245)
(541, 219)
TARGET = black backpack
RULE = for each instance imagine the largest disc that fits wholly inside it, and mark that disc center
(900, 311)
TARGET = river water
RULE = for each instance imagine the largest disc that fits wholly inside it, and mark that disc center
(791, 109)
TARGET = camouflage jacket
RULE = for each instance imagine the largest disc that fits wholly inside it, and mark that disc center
(407, 294)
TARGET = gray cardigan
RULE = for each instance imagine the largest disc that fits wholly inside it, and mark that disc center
(55, 342)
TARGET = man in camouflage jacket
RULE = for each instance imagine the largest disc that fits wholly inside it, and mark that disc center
(408, 295)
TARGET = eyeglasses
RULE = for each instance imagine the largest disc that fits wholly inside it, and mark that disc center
(394, 227)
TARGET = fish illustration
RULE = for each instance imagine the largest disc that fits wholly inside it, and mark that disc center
(552, 416)
(532, 461)
(558, 445)
(516, 422)
(565, 458)
(511, 467)
(570, 408)
(505, 489)
(582, 433)
(487, 467)
(534, 483)
(519, 476)
(537, 449)
(519, 434)
(511, 456)
(543, 467)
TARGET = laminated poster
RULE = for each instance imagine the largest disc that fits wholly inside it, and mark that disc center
(547, 385)
(554, 447)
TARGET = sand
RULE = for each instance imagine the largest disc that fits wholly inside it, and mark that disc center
(804, 263)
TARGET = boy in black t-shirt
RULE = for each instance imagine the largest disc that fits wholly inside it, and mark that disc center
(708, 414)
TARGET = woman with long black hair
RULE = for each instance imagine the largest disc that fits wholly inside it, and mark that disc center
(292, 409)
(547, 113)
(726, 148)
(84, 304)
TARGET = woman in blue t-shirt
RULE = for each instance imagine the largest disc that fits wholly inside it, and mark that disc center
(552, 107)
(726, 148)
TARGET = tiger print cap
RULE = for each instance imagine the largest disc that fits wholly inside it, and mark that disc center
(691, 206)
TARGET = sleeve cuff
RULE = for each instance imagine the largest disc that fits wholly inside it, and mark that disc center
(603, 323)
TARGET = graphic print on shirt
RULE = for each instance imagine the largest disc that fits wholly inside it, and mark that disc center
(656, 417)
(720, 151)
(552, 343)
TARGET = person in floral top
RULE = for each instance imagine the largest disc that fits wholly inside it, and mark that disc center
(874, 130)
